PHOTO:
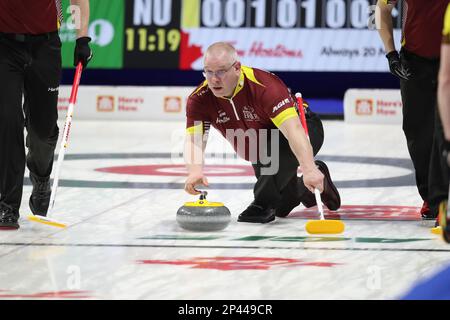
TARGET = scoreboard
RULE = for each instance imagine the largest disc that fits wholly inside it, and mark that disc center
(285, 14)
(279, 35)
(152, 34)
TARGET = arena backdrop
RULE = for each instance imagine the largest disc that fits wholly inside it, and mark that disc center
(278, 35)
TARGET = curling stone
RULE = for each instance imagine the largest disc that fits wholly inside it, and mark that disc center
(203, 215)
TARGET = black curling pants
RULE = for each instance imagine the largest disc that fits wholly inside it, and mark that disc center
(423, 128)
(30, 74)
(269, 188)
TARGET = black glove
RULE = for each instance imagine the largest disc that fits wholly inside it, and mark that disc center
(83, 52)
(396, 67)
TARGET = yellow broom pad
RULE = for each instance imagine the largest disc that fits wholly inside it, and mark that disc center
(324, 226)
(436, 230)
(47, 221)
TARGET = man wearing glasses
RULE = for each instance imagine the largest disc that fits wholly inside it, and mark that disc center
(249, 107)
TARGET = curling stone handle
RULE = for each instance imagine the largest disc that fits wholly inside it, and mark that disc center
(203, 195)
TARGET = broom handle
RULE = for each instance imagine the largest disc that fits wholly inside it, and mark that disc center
(319, 203)
(298, 95)
(305, 127)
(65, 137)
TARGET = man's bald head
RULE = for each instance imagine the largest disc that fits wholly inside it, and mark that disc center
(220, 52)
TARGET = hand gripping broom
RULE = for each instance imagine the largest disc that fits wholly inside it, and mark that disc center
(321, 226)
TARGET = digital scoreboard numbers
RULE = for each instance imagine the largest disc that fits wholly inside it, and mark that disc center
(152, 34)
(156, 29)
(326, 14)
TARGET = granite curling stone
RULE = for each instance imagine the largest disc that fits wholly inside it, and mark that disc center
(203, 215)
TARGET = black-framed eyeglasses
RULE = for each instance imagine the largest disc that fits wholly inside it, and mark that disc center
(219, 73)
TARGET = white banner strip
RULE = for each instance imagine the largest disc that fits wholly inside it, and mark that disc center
(126, 103)
(298, 49)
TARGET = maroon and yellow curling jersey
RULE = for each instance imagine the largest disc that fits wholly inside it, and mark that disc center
(260, 101)
(30, 16)
(422, 26)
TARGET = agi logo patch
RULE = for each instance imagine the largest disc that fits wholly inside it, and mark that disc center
(280, 105)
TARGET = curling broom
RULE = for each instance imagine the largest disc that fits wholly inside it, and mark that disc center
(321, 226)
(47, 220)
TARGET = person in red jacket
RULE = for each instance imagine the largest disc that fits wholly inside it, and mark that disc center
(250, 107)
(30, 67)
(417, 68)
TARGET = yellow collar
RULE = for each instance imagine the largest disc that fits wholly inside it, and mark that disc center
(246, 72)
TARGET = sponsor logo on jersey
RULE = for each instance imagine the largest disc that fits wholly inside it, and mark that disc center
(250, 114)
(280, 105)
(222, 117)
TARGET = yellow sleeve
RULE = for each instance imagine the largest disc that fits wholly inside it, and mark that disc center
(195, 129)
(284, 115)
(446, 30)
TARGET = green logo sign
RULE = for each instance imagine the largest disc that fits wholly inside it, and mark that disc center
(105, 28)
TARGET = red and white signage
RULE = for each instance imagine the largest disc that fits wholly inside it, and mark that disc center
(294, 49)
(126, 103)
(373, 106)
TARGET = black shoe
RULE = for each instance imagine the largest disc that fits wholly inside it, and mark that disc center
(257, 214)
(330, 195)
(289, 199)
(429, 214)
(40, 197)
(8, 217)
